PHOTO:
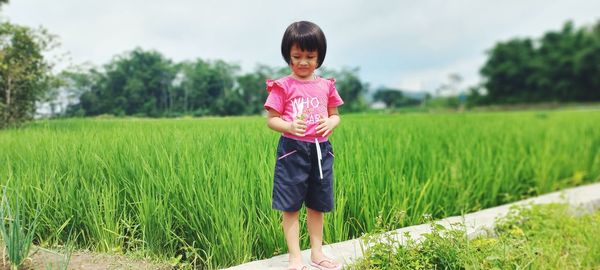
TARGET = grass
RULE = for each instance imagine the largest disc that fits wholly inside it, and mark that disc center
(534, 237)
(17, 232)
(199, 190)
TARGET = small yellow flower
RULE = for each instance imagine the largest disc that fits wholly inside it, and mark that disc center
(577, 177)
(491, 241)
(517, 232)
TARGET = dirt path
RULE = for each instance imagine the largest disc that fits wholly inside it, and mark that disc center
(46, 260)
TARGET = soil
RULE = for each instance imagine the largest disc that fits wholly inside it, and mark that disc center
(80, 260)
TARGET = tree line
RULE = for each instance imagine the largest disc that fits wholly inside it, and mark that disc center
(146, 83)
(561, 66)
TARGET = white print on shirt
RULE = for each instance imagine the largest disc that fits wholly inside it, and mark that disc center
(313, 118)
(302, 104)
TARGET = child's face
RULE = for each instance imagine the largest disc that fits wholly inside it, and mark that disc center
(303, 63)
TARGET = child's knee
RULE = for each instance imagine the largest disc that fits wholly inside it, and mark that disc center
(290, 214)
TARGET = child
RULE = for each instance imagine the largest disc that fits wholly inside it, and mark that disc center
(303, 107)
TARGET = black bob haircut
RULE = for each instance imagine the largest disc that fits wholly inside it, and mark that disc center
(306, 35)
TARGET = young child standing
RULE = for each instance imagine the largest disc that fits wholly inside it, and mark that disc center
(303, 107)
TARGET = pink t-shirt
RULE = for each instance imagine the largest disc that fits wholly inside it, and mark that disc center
(291, 97)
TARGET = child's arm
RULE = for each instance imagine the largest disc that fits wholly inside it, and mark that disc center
(274, 122)
(326, 125)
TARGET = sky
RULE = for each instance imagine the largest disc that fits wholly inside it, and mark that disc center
(409, 45)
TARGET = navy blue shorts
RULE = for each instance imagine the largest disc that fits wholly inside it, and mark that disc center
(297, 178)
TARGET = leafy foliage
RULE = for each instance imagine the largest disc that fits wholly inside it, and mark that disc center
(560, 66)
(145, 83)
(24, 73)
(534, 237)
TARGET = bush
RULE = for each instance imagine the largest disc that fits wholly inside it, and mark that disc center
(536, 237)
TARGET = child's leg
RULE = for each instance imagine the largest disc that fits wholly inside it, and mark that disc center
(314, 222)
(291, 230)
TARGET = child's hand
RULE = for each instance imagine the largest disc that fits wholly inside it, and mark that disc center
(297, 127)
(325, 126)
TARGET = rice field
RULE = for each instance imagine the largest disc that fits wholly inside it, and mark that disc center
(201, 188)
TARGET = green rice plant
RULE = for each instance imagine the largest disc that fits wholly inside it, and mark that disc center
(17, 233)
(65, 257)
(68, 249)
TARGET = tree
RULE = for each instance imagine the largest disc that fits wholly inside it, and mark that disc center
(78, 85)
(586, 65)
(350, 88)
(560, 66)
(135, 83)
(25, 76)
(508, 71)
(253, 89)
(391, 97)
(207, 88)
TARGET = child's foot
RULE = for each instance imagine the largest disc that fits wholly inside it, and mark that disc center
(297, 267)
(296, 264)
(324, 263)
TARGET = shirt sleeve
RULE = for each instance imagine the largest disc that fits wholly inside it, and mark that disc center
(334, 99)
(276, 97)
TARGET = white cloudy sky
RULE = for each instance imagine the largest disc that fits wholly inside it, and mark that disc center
(412, 45)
